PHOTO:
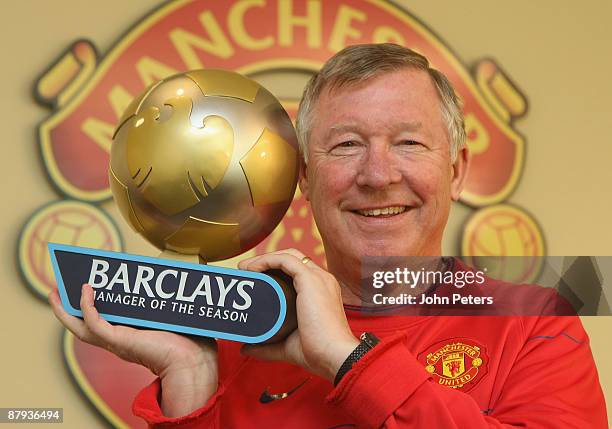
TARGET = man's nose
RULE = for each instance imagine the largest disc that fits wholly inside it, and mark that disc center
(379, 168)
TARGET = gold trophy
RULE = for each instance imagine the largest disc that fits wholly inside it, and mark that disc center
(204, 165)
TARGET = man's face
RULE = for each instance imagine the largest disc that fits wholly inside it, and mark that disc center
(379, 177)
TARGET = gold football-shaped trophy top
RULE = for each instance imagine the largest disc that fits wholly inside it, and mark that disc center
(175, 177)
(204, 162)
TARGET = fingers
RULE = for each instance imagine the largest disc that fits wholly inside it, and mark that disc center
(293, 252)
(291, 261)
(73, 324)
(102, 331)
(93, 329)
(287, 263)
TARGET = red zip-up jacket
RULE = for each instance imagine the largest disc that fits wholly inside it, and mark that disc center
(427, 372)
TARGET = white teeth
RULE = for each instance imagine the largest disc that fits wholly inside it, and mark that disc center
(384, 211)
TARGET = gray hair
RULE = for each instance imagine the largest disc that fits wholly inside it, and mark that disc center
(361, 62)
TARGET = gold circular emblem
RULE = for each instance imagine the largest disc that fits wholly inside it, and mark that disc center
(477, 362)
(494, 235)
(66, 222)
(430, 369)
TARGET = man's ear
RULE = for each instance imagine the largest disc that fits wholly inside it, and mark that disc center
(303, 178)
(459, 172)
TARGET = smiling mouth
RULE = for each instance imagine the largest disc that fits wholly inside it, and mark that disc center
(382, 212)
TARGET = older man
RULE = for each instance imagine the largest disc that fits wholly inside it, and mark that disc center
(384, 155)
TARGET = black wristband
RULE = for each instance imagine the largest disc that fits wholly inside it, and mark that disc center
(368, 341)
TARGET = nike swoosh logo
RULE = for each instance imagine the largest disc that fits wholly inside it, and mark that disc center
(267, 397)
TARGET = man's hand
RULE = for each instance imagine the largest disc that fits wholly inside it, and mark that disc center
(323, 339)
(187, 368)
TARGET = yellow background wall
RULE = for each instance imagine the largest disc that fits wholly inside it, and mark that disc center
(558, 53)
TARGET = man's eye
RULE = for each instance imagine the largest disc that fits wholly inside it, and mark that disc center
(409, 143)
(347, 147)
